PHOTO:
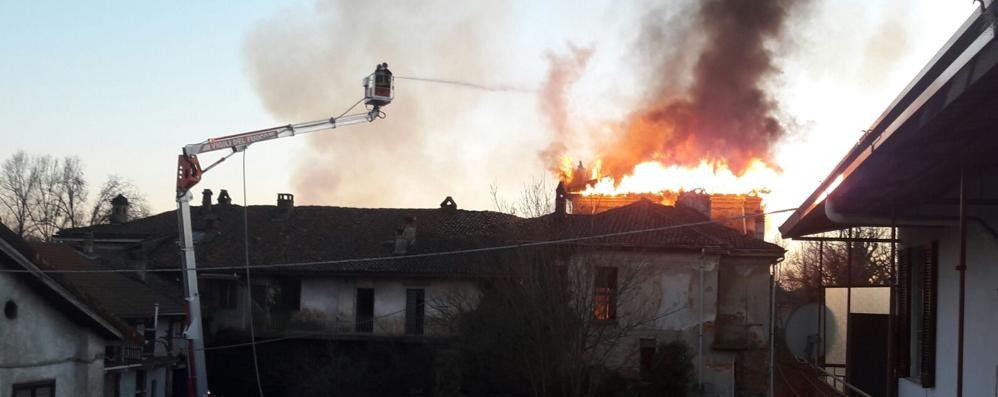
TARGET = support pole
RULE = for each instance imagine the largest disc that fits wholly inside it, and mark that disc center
(197, 372)
(891, 317)
(962, 268)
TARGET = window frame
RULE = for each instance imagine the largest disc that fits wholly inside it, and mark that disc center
(415, 312)
(605, 293)
(363, 324)
(32, 387)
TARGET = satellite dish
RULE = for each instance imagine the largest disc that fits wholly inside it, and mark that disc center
(801, 332)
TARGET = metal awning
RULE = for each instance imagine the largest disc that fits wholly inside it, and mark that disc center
(912, 155)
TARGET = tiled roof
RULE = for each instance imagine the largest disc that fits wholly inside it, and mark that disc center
(313, 233)
(17, 255)
(121, 294)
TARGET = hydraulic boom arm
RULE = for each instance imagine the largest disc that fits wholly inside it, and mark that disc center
(378, 92)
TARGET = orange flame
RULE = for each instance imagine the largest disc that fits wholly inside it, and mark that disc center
(655, 178)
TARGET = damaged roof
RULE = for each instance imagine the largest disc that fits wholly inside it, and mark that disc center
(306, 234)
(675, 228)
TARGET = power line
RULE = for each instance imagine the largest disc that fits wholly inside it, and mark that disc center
(249, 284)
(416, 256)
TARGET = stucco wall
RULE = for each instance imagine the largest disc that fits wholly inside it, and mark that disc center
(666, 298)
(981, 323)
(157, 376)
(42, 344)
(333, 301)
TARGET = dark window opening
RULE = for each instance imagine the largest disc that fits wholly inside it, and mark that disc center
(365, 310)
(149, 338)
(414, 311)
(10, 310)
(140, 382)
(44, 388)
(647, 358)
(289, 294)
(605, 294)
(223, 293)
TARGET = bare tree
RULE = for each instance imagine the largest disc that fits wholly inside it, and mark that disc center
(19, 180)
(824, 264)
(114, 185)
(544, 327)
(536, 199)
(72, 193)
(45, 214)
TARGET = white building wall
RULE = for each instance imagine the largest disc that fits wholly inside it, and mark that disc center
(154, 386)
(668, 292)
(42, 344)
(332, 301)
(981, 313)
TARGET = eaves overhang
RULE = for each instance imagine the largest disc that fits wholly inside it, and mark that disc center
(944, 113)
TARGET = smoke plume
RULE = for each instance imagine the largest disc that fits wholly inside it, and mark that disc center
(307, 63)
(723, 115)
(563, 71)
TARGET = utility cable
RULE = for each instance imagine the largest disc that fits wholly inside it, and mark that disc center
(249, 284)
(415, 256)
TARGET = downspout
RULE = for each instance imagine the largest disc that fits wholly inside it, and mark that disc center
(700, 327)
(773, 278)
(962, 268)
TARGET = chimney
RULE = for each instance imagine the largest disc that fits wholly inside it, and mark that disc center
(740, 212)
(400, 244)
(285, 200)
(560, 200)
(223, 197)
(206, 199)
(119, 210)
(448, 205)
(88, 243)
(409, 231)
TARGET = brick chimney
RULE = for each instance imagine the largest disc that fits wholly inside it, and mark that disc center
(409, 230)
(223, 197)
(119, 210)
(206, 199)
(285, 201)
(741, 212)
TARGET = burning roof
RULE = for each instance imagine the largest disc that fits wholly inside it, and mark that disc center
(716, 131)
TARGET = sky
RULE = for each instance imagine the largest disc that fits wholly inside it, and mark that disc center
(123, 85)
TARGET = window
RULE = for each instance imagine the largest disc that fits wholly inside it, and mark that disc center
(414, 311)
(917, 302)
(148, 338)
(223, 293)
(140, 382)
(289, 294)
(365, 310)
(605, 294)
(44, 388)
(647, 358)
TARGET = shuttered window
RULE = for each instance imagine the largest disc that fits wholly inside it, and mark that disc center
(918, 278)
(414, 311)
(365, 310)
